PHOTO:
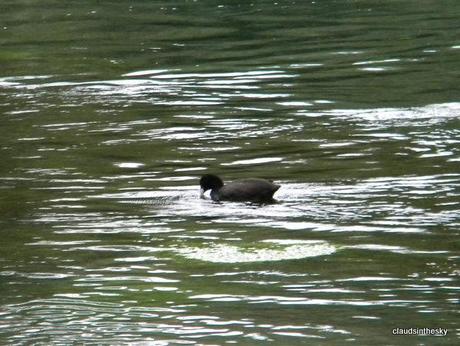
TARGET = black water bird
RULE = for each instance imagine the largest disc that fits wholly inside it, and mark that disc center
(245, 190)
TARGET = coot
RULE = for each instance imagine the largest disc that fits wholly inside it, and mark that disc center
(250, 190)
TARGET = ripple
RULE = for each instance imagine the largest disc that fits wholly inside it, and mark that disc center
(255, 161)
(415, 114)
(104, 237)
(194, 89)
(131, 165)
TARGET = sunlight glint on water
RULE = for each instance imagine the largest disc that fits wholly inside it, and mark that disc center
(112, 113)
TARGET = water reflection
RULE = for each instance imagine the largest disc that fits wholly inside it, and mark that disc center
(232, 254)
(351, 107)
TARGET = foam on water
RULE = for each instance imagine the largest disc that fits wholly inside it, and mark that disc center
(222, 253)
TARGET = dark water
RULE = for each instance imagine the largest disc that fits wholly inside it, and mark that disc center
(112, 110)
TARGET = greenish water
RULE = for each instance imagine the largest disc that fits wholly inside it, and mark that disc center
(112, 110)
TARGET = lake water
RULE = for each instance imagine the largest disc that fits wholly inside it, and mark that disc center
(112, 110)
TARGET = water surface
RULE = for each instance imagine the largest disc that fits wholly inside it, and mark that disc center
(111, 111)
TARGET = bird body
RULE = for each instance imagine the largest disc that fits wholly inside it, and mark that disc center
(245, 190)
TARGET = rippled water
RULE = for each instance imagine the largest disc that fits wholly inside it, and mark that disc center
(112, 111)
